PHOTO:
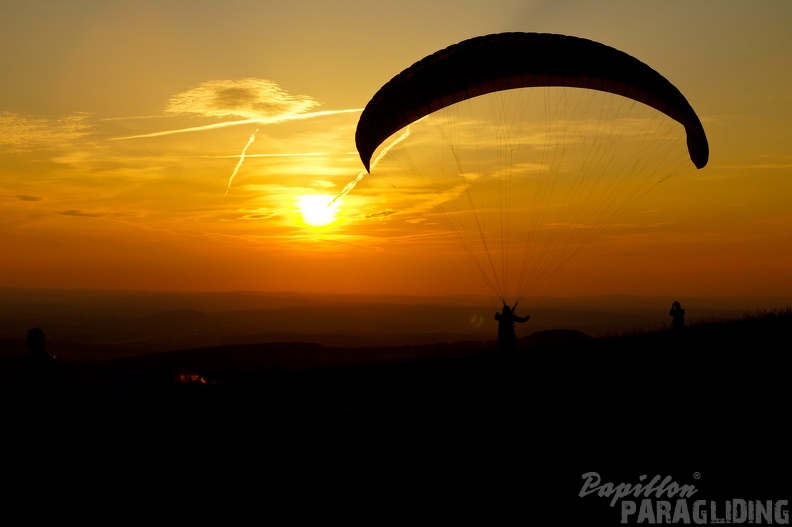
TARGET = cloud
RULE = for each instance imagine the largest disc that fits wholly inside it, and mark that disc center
(381, 214)
(22, 133)
(262, 214)
(247, 98)
(79, 213)
(27, 197)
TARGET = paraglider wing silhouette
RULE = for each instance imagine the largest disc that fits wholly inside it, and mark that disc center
(506, 61)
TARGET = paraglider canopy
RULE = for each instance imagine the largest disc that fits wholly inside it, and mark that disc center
(517, 149)
(506, 61)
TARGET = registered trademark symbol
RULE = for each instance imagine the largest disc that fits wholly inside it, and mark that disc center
(696, 475)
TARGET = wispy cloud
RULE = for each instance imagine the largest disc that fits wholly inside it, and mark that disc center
(21, 133)
(260, 214)
(80, 213)
(381, 214)
(249, 98)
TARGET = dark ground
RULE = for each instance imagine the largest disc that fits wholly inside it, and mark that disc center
(425, 433)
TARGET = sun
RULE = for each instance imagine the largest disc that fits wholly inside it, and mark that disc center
(318, 210)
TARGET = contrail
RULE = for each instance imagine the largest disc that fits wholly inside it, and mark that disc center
(349, 186)
(260, 121)
(241, 159)
(298, 154)
(191, 129)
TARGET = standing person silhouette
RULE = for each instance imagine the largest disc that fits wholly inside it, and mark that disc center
(506, 320)
(678, 316)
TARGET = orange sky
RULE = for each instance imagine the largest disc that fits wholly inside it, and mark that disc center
(124, 123)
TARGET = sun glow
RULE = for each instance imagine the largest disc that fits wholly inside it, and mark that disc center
(318, 210)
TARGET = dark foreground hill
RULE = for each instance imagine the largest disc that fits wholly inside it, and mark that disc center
(459, 421)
